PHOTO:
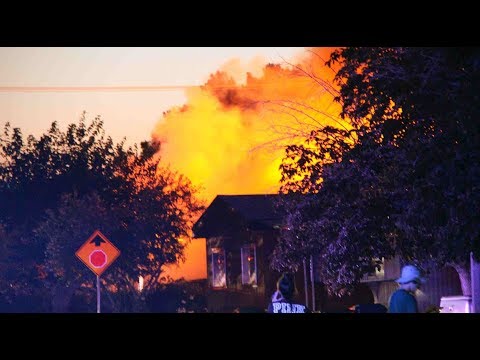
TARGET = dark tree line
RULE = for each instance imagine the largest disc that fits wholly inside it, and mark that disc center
(56, 190)
(404, 180)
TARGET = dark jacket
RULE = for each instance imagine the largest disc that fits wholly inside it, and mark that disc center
(402, 301)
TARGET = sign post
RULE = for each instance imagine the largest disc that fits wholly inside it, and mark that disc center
(98, 294)
(98, 253)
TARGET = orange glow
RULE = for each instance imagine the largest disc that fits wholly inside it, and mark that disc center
(230, 136)
(195, 265)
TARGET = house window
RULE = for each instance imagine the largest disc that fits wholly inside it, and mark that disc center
(249, 265)
(219, 278)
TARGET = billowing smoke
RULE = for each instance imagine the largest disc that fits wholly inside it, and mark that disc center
(229, 137)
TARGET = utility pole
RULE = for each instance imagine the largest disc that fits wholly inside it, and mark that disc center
(475, 281)
(312, 279)
(306, 282)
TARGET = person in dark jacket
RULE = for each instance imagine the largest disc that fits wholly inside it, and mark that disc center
(403, 300)
(282, 299)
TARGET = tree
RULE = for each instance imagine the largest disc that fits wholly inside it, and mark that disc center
(408, 185)
(340, 218)
(80, 173)
(63, 231)
(15, 272)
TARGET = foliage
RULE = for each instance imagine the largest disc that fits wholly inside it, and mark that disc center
(57, 190)
(179, 296)
(408, 182)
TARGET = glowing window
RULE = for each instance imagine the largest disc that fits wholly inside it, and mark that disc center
(249, 265)
(218, 271)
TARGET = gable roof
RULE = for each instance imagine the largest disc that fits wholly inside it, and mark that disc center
(256, 211)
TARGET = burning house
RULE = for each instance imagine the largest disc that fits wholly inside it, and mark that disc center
(241, 232)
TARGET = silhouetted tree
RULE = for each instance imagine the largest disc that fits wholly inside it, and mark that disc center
(147, 209)
(407, 183)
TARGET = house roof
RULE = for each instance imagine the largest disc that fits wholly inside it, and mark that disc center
(257, 212)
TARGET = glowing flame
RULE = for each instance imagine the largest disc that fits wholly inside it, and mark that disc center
(229, 138)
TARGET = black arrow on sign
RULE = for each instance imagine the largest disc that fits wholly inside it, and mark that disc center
(97, 241)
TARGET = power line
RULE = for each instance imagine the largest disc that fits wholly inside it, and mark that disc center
(129, 88)
(94, 88)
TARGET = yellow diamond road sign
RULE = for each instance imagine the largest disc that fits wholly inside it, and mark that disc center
(98, 253)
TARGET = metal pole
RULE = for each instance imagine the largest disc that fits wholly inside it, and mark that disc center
(313, 283)
(475, 283)
(98, 294)
(306, 284)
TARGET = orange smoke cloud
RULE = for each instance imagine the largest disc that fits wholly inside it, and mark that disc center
(229, 138)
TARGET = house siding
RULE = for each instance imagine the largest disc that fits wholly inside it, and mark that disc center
(233, 221)
(439, 282)
(235, 294)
